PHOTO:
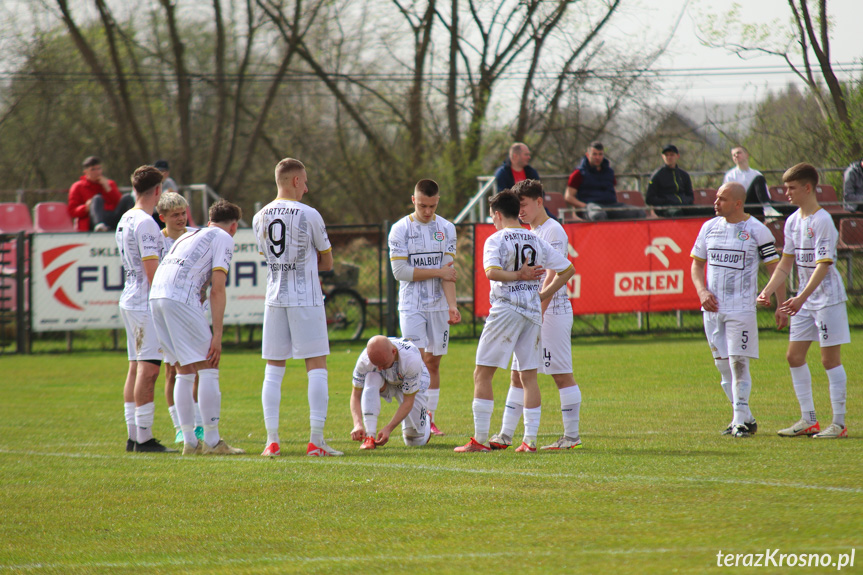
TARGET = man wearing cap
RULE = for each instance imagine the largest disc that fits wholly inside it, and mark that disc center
(670, 186)
(168, 184)
(95, 201)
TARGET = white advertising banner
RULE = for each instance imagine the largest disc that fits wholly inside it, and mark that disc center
(77, 280)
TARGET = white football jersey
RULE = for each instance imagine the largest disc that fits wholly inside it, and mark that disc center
(290, 235)
(733, 253)
(811, 241)
(553, 233)
(735, 174)
(406, 371)
(168, 241)
(138, 239)
(430, 245)
(186, 271)
(509, 249)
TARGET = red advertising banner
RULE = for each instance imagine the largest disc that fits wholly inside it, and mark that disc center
(620, 267)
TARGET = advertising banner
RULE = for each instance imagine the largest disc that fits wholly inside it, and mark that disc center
(620, 267)
(77, 280)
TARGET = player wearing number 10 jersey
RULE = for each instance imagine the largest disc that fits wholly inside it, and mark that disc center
(730, 247)
(513, 259)
(292, 237)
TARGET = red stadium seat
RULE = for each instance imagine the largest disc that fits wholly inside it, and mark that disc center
(703, 196)
(52, 217)
(828, 199)
(631, 198)
(777, 194)
(777, 228)
(850, 234)
(14, 218)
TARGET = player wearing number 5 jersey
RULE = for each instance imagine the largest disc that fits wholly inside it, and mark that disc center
(729, 247)
(818, 311)
(293, 239)
(514, 260)
(422, 249)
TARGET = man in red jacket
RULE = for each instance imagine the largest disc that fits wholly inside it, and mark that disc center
(95, 200)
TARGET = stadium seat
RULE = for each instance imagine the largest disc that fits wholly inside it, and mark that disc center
(52, 217)
(631, 198)
(850, 242)
(777, 194)
(777, 228)
(703, 196)
(14, 218)
(828, 199)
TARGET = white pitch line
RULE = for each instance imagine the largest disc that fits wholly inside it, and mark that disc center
(442, 469)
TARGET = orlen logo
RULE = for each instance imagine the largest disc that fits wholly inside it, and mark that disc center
(51, 277)
(651, 282)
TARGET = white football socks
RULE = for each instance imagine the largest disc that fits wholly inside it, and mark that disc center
(512, 410)
(531, 423)
(433, 398)
(172, 411)
(144, 420)
(129, 414)
(570, 406)
(741, 388)
(271, 398)
(802, 380)
(183, 402)
(725, 372)
(482, 409)
(318, 400)
(370, 402)
(210, 400)
(199, 421)
(838, 382)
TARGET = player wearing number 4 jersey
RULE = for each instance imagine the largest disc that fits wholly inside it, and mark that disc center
(422, 248)
(730, 247)
(556, 333)
(293, 239)
(818, 311)
(514, 260)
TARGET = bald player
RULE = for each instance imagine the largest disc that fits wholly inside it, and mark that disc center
(390, 368)
(725, 261)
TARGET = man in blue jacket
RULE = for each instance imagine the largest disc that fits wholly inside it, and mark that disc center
(591, 189)
(516, 168)
(670, 186)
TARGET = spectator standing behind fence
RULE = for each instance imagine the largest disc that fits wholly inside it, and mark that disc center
(591, 188)
(516, 168)
(94, 200)
(753, 182)
(168, 184)
(670, 186)
(853, 191)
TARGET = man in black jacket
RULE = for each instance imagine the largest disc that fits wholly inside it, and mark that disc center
(670, 186)
(516, 168)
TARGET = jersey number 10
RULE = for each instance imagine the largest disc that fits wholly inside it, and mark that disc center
(525, 255)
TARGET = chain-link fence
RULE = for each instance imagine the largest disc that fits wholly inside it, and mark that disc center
(58, 292)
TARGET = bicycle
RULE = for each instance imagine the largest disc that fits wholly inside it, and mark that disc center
(344, 306)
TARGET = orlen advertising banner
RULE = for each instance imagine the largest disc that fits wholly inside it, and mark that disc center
(620, 267)
(77, 281)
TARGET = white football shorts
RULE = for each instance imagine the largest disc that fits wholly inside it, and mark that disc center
(295, 333)
(828, 325)
(427, 330)
(507, 332)
(733, 333)
(142, 343)
(556, 345)
(183, 331)
(416, 429)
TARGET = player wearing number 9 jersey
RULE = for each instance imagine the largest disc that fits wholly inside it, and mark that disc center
(292, 237)
(513, 259)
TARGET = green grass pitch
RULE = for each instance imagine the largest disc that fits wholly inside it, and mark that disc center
(655, 489)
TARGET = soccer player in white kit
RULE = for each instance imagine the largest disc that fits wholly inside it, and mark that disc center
(390, 368)
(730, 247)
(422, 249)
(140, 244)
(818, 311)
(172, 208)
(514, 260)
(198, 259)
(556, 333)
(293, 239)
